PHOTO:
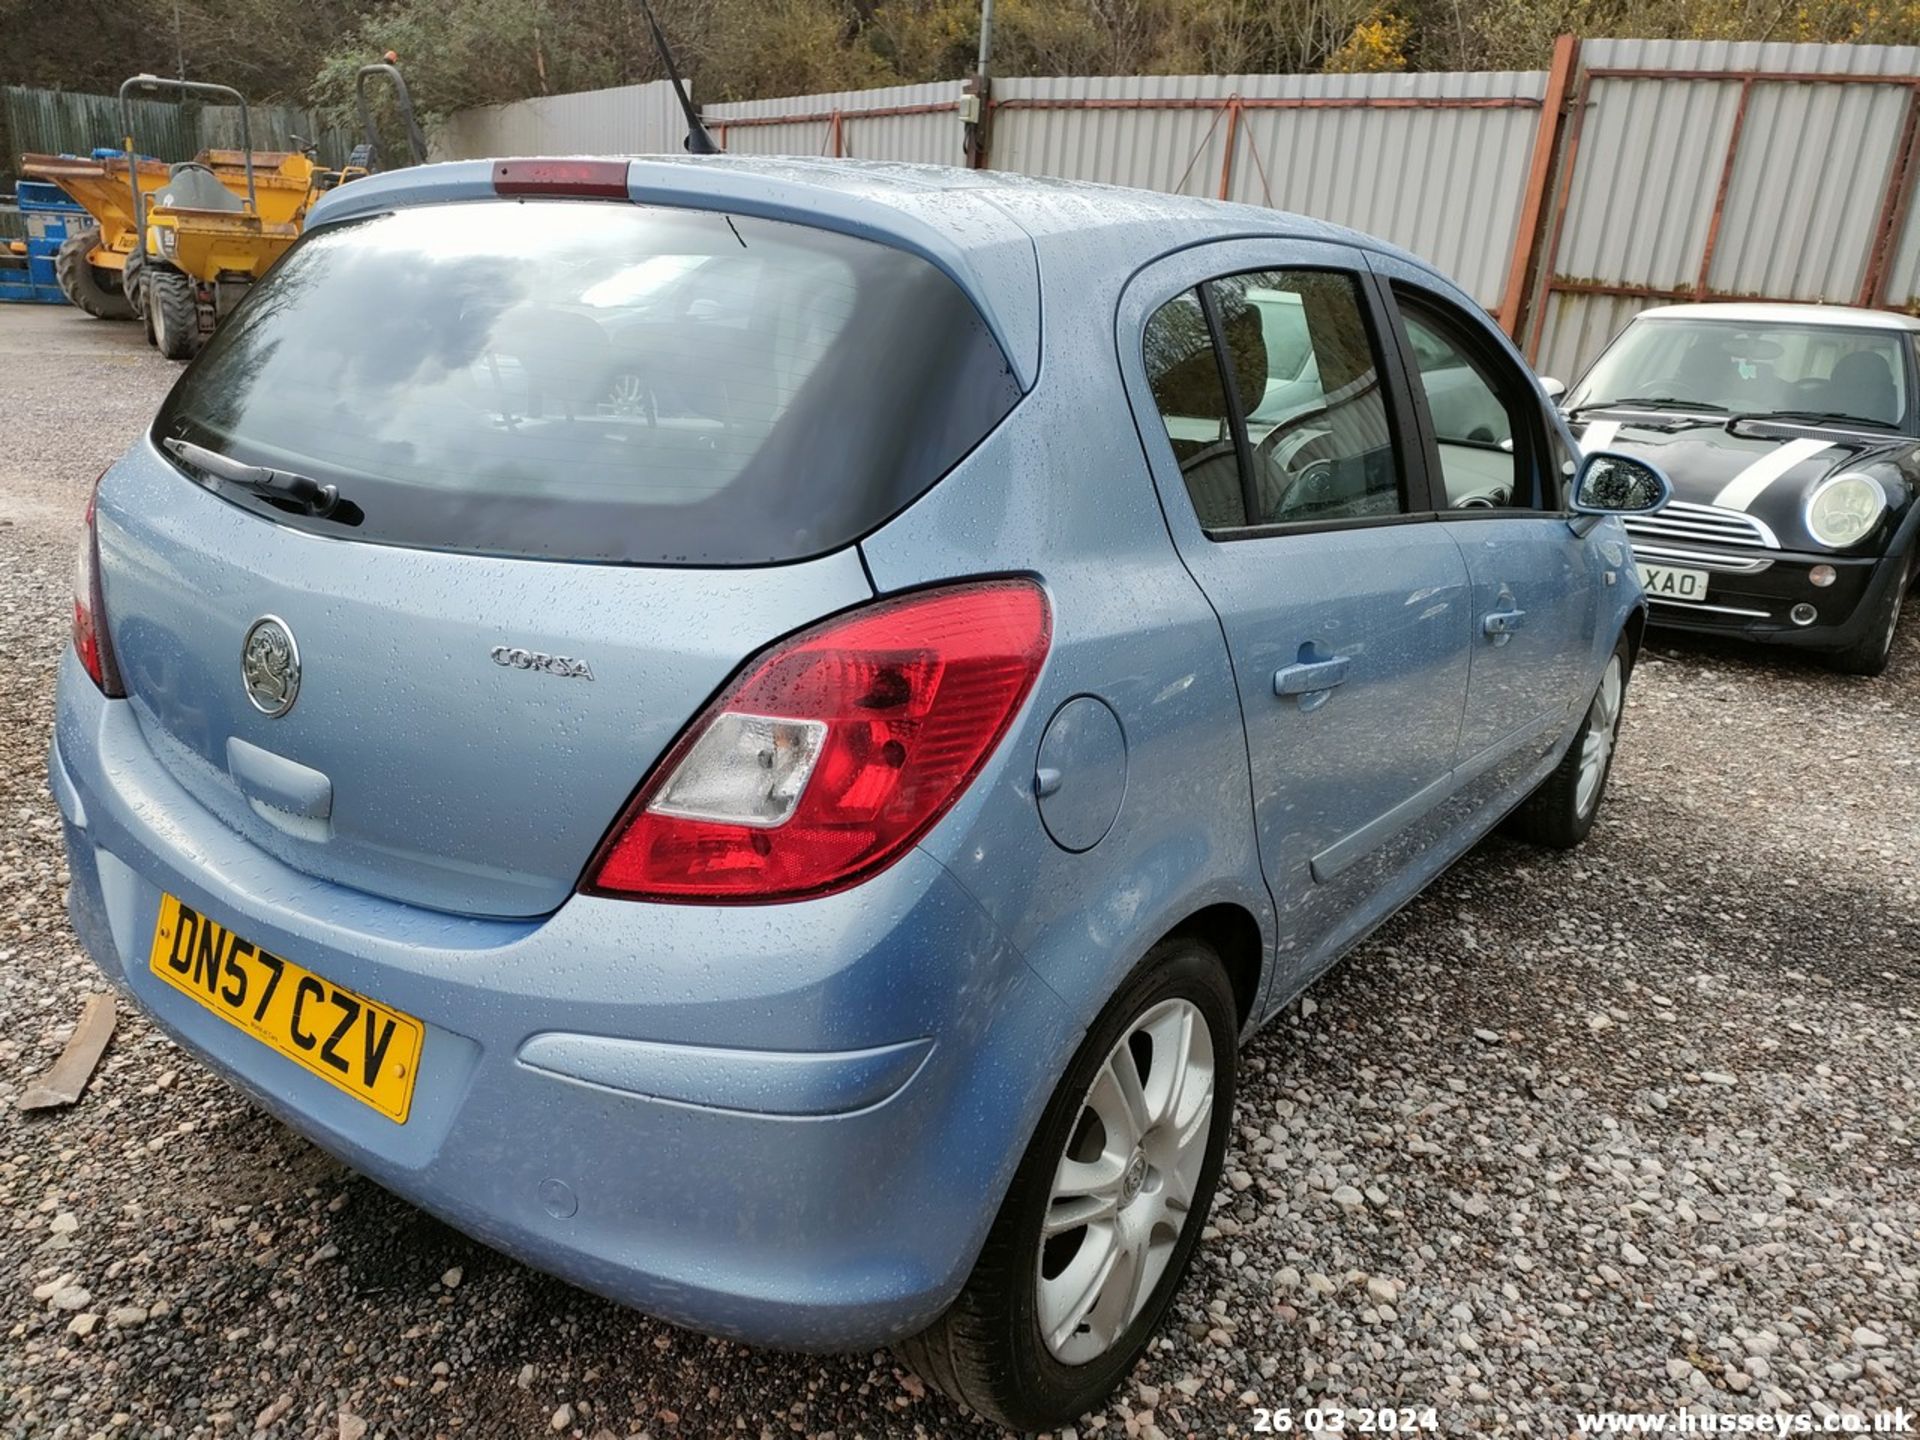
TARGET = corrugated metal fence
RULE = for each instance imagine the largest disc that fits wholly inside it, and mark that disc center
(1431, 161)
(897, 122)
(622, 120)
(1726, 169)
(55, 122)
(1629, 173)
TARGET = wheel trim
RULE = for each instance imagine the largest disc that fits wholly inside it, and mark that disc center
(1124, 1186)
(1602, 731)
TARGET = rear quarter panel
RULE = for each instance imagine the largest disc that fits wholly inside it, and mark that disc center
(1061, 491)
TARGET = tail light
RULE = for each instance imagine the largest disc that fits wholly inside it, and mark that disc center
(567, 179)
(833, 751)
(90, 639)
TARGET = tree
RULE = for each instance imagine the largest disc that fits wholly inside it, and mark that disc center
(1377, 43)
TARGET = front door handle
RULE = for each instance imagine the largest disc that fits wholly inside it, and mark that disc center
(1311, 680)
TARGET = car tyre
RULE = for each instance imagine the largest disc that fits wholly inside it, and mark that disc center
(1561, 812)
(173, 314)
(1869, 654)
(1172, 1026)
(84, 285)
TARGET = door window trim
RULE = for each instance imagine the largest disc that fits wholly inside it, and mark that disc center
(1465, 334)
(1236, 412)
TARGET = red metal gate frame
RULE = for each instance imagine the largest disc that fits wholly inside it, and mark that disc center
(1891, 221)
(1546, 148)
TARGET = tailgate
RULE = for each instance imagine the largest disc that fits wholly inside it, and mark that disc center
(412, 762)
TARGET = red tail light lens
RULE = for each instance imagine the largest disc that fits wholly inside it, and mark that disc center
(833, 752)
(90, 640)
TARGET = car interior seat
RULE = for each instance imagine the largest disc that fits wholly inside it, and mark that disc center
(1189, 389)
(1862, 384)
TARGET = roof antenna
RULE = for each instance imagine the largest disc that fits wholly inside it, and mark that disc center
(699, 142)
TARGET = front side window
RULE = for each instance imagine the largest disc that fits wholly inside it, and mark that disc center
(608, 382)
(1745, 368)
(1475, 413)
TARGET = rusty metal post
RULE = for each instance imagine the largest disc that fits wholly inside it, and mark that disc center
(1563, 192)
(1895, 202)
(834, 139)
(976, 91)
(1233, 135)
(1546, 144)
(1726, 184)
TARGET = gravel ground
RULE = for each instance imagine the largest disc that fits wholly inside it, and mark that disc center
(1637, 1128)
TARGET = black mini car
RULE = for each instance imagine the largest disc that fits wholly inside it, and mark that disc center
(1792, 436)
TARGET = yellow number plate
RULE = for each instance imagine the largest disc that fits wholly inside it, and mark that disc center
(364, 1048)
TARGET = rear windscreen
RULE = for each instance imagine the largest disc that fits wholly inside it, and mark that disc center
(598, 381)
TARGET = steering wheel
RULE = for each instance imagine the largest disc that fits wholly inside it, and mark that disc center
(1309, 474)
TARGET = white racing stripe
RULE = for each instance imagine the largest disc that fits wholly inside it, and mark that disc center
(1598, 435)
(1747, 486)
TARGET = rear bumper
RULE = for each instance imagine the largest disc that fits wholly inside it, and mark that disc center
(1759, 605)
(790, 1125)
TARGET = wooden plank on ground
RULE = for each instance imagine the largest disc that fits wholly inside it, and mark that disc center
(68, 1075)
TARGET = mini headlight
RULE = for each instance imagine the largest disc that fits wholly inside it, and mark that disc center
(1843, 509)
(168, 239)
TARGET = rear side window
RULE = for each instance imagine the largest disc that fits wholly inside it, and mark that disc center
(593, 381)
(1184, 373)
(1318, 443)
(1303, 437)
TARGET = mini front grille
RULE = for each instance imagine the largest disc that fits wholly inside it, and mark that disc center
(1683, 523)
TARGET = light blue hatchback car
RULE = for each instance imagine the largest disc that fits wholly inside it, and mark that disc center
(756, 733)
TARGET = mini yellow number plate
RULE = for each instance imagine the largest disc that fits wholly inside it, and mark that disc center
(364, 1048)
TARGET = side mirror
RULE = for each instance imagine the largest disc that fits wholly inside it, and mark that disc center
(1554, 388)
(1609, 483)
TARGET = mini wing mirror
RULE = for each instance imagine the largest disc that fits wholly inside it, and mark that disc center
(1554, 388)
(1608, 483)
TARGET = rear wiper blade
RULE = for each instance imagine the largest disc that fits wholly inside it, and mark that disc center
(1649, 402)
(1810, 417)
(299, 490)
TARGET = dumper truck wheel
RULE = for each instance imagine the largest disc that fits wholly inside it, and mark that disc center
(134, 289)
(85, 286)
(173, 314)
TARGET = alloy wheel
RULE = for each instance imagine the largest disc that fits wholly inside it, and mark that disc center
(630, 396)
(1893, 619)
(1603, 730)
(1123, 1190)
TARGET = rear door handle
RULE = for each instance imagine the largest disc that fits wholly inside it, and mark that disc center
(1312, 680)
(1502, 623)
